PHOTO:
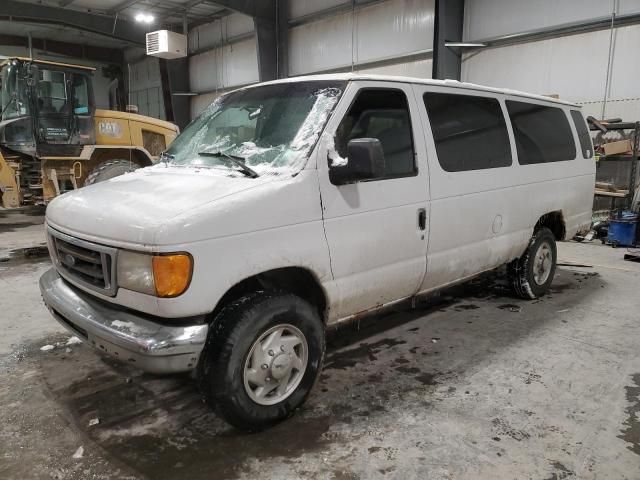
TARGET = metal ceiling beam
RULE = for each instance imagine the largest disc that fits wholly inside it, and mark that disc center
(340, 9)
(261, 9)
(175, 7)
(449, 17)
(87, 52)
(123, 6)
(184, 9)
(211, 18)
(103, 24)
(181, 9)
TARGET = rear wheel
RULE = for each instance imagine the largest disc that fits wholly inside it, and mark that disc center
(531, 274)
(110, 169)
(262, 358)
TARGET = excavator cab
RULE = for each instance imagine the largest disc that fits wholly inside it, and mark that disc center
(47, 109)
(53, 139)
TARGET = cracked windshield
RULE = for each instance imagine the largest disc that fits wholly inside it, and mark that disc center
(255, 131)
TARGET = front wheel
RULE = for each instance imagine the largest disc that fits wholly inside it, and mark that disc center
(531, 274)
(262, 358)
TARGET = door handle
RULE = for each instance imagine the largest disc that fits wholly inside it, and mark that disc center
(422, 218)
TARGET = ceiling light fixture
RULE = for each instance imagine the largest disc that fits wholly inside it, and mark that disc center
(144, 18)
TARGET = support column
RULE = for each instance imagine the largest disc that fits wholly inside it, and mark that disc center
(448, 24)
(267, 48)
(283, 37)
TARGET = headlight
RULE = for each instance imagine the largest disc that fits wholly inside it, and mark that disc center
(160, 275)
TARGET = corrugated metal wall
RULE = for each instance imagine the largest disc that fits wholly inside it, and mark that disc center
(492, 18)
(224, 52)
(144, 84)
(381, 31)
(223, 56)
(574, 66)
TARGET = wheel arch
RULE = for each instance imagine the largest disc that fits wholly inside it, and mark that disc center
(138, 155)
(299, 281)
(555, 222)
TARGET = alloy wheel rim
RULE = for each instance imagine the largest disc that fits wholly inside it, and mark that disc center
(275, 364)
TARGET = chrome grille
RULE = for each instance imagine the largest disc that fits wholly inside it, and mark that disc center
(89, 264)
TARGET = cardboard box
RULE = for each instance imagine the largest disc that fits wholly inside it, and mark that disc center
(613, 148)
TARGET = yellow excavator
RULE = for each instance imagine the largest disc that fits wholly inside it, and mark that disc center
(53, 139)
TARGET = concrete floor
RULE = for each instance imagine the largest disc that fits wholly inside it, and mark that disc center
(473, 385)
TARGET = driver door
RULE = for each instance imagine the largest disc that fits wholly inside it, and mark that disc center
(53, 114)
(376, 229)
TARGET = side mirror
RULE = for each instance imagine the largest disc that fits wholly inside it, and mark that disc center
(365, 160)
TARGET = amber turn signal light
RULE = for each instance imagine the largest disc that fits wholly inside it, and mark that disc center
(172, 274)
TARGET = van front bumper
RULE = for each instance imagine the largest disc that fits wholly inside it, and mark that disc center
(125, 335)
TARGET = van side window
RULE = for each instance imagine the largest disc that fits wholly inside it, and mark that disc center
(542, 133)
(470, 133)
(382, 114)
(583, 134)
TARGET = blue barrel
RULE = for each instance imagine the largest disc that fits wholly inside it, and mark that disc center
(622, 230)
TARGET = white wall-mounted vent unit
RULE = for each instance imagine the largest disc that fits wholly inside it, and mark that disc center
(166, 44)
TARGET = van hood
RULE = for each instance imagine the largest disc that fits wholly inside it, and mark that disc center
(131, 208)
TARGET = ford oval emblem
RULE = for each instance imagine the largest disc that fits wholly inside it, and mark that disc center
(69, 259)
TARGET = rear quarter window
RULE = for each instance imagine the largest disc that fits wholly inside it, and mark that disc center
(586, 145)
(469, 132)
(542, 133)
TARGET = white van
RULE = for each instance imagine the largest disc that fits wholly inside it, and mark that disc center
(290, 205)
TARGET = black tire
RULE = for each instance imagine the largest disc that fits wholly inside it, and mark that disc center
(110, 169)
(233, 333)
(521, 271)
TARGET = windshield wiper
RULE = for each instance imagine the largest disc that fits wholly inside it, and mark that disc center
(237, 160)
(166, 158)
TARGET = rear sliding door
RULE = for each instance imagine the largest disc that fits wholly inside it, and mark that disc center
(473, 176)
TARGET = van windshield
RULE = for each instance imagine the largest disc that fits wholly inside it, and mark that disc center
(269, 128)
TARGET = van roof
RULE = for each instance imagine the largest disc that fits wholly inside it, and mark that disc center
(422, 81)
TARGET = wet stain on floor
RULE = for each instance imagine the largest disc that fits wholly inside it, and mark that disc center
(366, 351)
(427, 379)
(468, 306)
(510, 307)
(560, 472)
(24, 256)
(15, 219)
(387, 375)
(502, 427)
(631, 434)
